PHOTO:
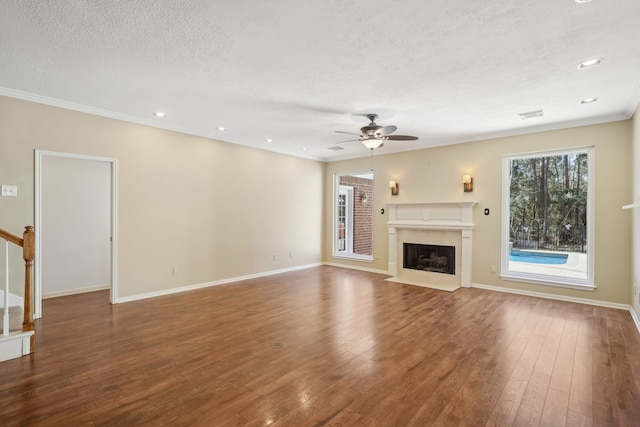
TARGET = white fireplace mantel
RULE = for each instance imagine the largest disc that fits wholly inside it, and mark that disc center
(416, 219)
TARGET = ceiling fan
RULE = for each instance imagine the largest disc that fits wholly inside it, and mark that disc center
(373, 136)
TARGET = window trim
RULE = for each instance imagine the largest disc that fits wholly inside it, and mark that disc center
(347, 190)
(587, 284)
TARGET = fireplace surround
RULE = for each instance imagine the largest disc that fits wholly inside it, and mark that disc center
(439, 224)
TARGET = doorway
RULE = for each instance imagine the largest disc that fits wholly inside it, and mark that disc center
(75, 225)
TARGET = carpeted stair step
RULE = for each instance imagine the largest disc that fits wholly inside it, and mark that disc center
(15, 319)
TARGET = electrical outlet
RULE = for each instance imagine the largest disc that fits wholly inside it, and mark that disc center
(290, 254)
(274, 257)
(494, 269)
(176, 270)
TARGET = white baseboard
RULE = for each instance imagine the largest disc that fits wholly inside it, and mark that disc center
(75, 291)
(354, 267)
(563, 298)
(635, 318)
(209, 284)
(552, 296)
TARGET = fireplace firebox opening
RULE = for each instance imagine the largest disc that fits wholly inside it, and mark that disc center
(434, 258)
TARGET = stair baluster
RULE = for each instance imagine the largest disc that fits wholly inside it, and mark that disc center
(28, 254)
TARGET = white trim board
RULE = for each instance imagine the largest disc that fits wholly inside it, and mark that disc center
(635, 318)
(209, 284)
(565, 298)
(15, 345)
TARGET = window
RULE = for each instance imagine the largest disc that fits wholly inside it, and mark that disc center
(345, 222)
(547, 218)
(353, 216)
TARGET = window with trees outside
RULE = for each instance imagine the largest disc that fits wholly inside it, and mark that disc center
(353, 216)
(548, 218)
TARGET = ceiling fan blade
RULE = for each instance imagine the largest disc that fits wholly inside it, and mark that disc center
(386, 130)
(349, 133)
(401, 138)
(348, 140)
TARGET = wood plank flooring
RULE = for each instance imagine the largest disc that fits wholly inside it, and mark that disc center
(326, 346)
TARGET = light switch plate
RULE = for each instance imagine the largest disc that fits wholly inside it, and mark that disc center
(10, 190)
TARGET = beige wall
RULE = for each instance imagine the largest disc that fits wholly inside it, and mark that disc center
(220, 211)
(213, 209)
(636, 213)
(435, 175)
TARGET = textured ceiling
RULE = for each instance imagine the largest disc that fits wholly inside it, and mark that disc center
(294, 71)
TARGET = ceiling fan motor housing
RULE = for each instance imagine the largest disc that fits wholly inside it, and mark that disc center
(370, 129)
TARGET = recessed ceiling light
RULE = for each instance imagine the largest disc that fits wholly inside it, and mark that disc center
(589, 63)
(531, 114)
(269, 140)
(588, 100)
(304, 148)
(335, 148)
(583, 1)
(160, 114)
(221, 128)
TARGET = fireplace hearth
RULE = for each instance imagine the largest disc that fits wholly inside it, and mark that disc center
(434, 258)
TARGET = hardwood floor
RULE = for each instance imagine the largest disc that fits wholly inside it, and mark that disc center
(326, 346)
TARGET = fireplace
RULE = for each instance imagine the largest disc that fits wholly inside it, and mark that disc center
(445, 230)
(434, 258)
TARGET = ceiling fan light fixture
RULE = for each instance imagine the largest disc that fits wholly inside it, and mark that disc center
(372, 143)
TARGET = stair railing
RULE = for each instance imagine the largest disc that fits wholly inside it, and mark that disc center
(27, 242)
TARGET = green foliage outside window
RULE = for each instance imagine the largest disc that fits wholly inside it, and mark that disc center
(548, 202)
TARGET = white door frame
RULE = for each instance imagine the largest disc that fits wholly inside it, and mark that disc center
(39, 155)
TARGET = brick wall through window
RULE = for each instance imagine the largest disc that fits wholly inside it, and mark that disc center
(362, 213)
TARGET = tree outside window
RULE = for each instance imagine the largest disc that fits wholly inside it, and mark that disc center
(547, 209)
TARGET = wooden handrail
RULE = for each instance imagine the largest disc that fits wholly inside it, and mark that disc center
(28, 254)
(10, 237)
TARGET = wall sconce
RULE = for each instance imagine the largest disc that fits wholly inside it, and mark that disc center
(467, 181)
(363, 197)
(394, 188)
